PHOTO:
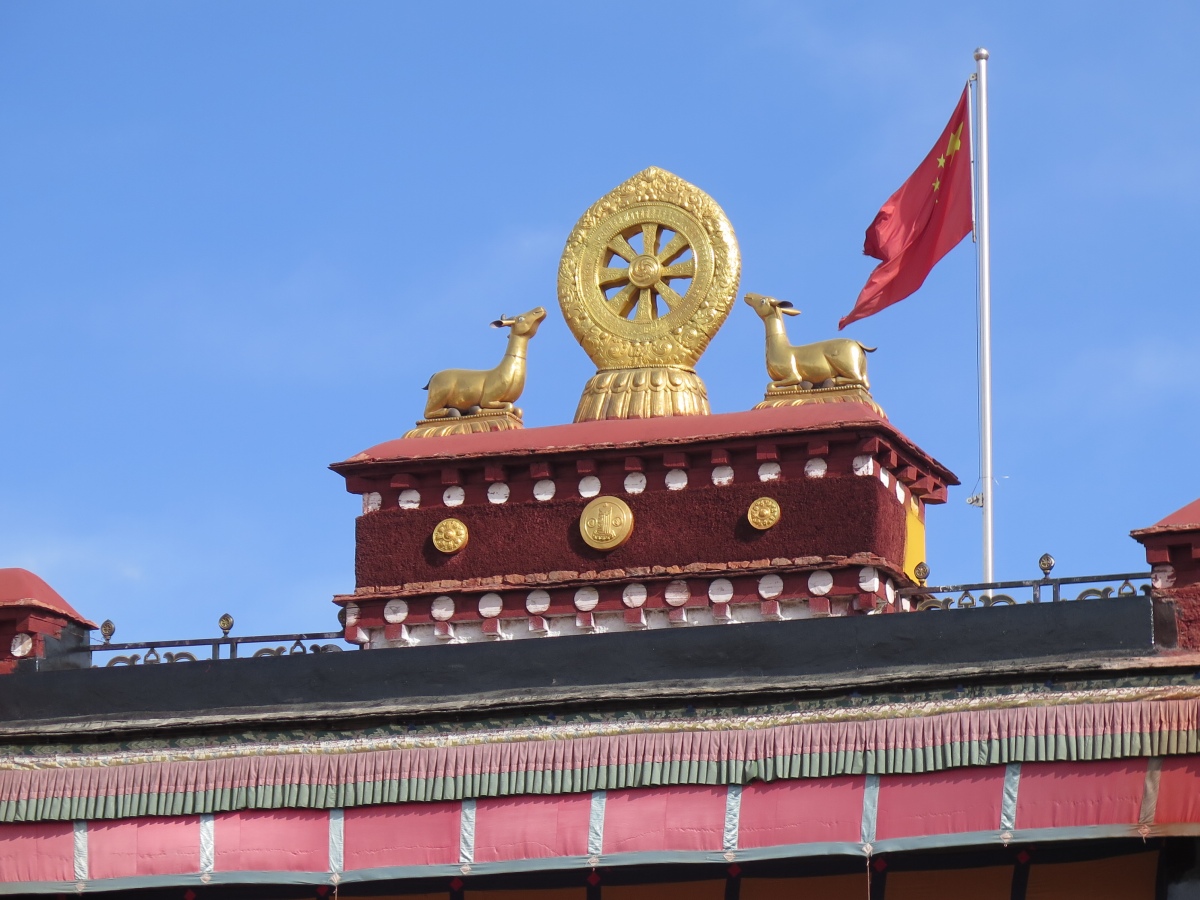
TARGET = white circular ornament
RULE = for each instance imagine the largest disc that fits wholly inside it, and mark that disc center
(634, 595)
(454, 495)
(676, 479)
(720, 590)
(816, 467)
(820, 582)
(586, 599)
(498, 492)
(395, 612)
(410, 499)
(589, 486)
(722, 475)
(868, 579)
(21, 645)
(864, 465)
(538, 601)
(635, 483)
(442, 608)
(769, 471)
(490, 605)
(770, 587)
(371, 502)
(543, 490)
(678, 593)
(351, 614)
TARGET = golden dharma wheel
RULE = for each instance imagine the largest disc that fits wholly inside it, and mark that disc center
(763, 513)
(450, 535)
(648, 275)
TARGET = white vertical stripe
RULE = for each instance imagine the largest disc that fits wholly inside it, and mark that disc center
(1008, 805)
(466, 834)
(81, 850)
(1150, 791)
(337, 831)
(595, 845)
(207, 844)
(733, 814)
(870, 809)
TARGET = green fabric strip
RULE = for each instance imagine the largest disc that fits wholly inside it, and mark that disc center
(893, 761)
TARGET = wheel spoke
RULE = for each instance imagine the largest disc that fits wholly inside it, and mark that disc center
(645, 305)
(624, 301)
(669, 297)
(650, 239)
(685, 269)
(674, 248)
(613, 276)
(620, 246)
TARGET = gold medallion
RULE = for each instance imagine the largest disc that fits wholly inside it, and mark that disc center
(606, 523)
(763, 513)
(450, 535)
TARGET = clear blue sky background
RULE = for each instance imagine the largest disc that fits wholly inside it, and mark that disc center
(236, 238)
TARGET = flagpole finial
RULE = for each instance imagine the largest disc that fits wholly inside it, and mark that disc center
(981, 53)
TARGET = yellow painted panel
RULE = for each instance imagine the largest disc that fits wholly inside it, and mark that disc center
(914, 540)
(825, 887)
(687, 890)
(990, 883)
(1120, 878)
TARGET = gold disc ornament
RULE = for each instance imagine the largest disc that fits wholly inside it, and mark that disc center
(450, 535)
(763, 513)
(648, 275)
(606, 523)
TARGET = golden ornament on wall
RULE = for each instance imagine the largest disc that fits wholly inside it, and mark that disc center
(606, 523)
(648, 275)
(450, 535)
(763, 513)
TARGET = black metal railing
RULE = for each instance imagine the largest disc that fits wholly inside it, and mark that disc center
(152, 652)
(1040, 590)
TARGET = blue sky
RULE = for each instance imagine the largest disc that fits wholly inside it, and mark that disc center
(236, 238)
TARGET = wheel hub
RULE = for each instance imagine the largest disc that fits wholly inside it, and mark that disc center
(645, 271)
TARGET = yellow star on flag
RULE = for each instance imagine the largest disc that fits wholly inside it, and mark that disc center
(955, 142)
(941, 162)
(937, 184)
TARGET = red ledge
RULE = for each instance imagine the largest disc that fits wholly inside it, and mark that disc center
(632, 433)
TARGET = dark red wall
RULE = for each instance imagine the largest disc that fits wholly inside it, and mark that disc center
(821, 517)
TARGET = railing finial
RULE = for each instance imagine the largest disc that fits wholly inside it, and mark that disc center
(1046, 564)
(922, 572)
(225, 623)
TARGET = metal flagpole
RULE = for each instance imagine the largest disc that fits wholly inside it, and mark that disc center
(983, 231)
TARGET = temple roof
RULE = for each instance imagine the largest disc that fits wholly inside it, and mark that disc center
(1186, 518)
(640, 433)
(21, 588)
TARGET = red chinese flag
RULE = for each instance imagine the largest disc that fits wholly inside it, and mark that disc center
(921, 222)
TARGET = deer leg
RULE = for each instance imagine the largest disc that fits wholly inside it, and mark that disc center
(497, 404)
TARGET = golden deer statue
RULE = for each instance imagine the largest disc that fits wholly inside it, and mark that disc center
(458, 392)
(834, 363)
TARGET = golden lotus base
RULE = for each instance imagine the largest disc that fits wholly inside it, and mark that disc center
(643, 393)
(798, 396)
(475, 423)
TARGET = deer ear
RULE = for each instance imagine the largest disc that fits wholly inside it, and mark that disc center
(499, 323)
(789, 311)
(784, 304)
